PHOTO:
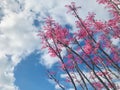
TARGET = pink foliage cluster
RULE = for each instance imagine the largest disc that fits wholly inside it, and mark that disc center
(90, 47)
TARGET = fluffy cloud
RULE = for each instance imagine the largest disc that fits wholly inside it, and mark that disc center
(18, 39)
(115, 41)
(71, 89)
(47, 60)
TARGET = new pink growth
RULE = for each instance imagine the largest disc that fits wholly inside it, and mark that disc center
(102, 1)
(72, 7)
(87, 48)
(98, 85)
(70, 56)
(81, 34)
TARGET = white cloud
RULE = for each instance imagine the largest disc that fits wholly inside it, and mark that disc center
(47, 60)
(71, 89)
(18, 39)
(115, 41)
(57, 87)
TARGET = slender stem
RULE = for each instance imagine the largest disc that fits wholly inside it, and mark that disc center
(65, 66)
(86, 64)
(51, 76)
(66, 70)
(95, 64)
(115, 65)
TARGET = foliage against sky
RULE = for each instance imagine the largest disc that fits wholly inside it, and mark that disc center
(18, 31)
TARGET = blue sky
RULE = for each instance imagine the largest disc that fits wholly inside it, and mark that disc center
(22, 63)
(30, 75)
